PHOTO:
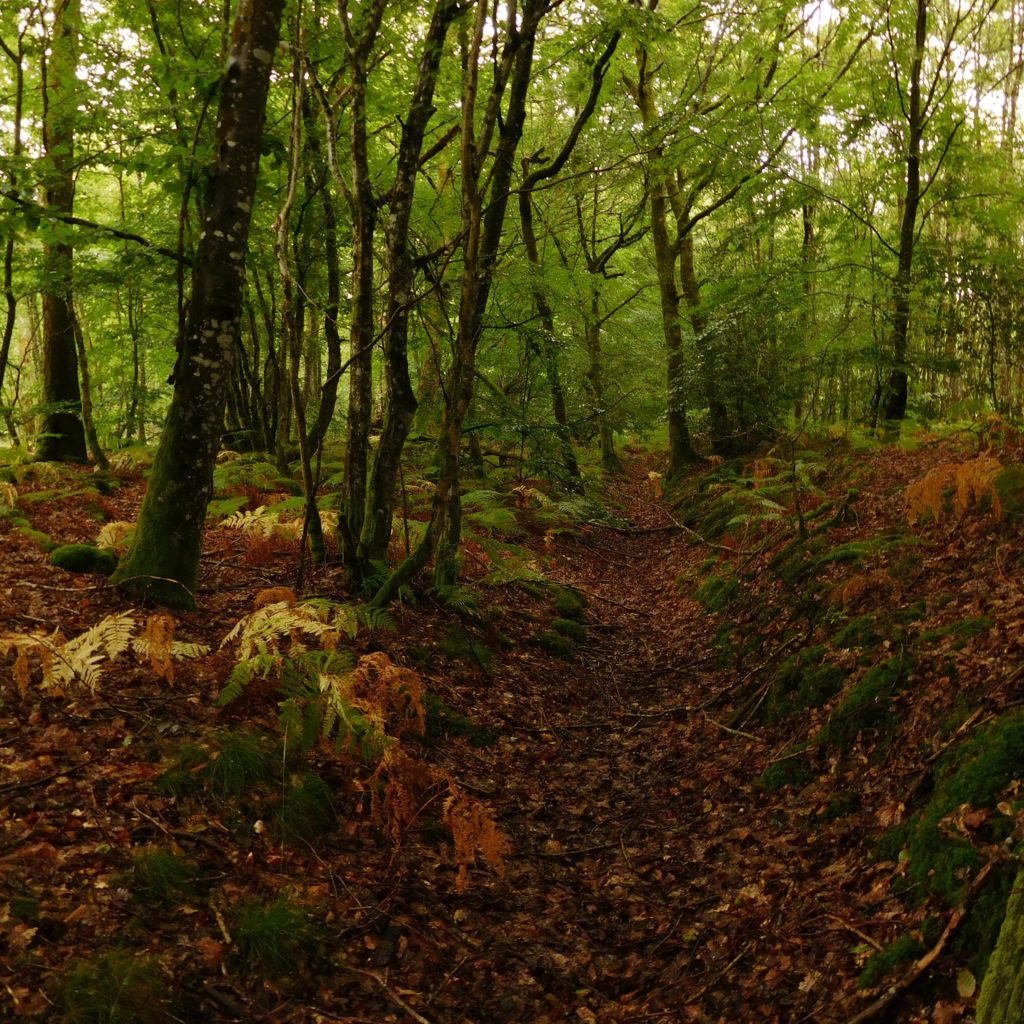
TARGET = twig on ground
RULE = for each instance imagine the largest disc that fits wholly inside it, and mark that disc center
(894, 991)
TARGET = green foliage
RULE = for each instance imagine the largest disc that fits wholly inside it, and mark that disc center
(793, 770)
(803, 682)
(867, 704)
(238, 762)
(236, 475)
(459, 599)
(444, 722)
(1009, 488)
(41, 540)
(975, 774)
(116, 988)
(961, 631)
(903, 950)
(221, 508)
(858, 632)
(459, 645)
(275, 939)
(716, 593)
(570, 628)
(306, 810)
(84, 558)
(556, 644)
(500, 521)
(163, 878)
(569, 603)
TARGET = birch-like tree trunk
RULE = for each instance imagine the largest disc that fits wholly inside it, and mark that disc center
(163, 562)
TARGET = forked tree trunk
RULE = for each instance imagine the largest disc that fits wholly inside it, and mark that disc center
(163, 562)
(400, 410)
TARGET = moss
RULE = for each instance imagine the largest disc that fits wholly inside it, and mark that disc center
(84, 558)
(1009, 487)
(802, 681)
(868, 704)
(569, 604)
(460, 646)
(794, 770)
(571, 629)
(41, 540)
(555, 644)
(716, 593)
(975, 774)
(976, 939)
(961, 631)
(911, 613)
(904, 950)
(859, 632)
(115, 988)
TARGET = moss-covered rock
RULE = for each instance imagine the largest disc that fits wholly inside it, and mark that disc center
(84, 558)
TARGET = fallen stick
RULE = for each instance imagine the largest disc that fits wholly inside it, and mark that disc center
(893, 992)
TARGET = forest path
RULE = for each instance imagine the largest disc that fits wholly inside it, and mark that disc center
(650, 880)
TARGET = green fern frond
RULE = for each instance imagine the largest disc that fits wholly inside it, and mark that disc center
(497, 520)
(512, 564)
(460, 599)
(374, 618)
(221, 508)
(484, 500)
(259, 667)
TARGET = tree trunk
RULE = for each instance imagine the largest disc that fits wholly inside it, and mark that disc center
(483, 220)
(894, 405)
(1002, 989)
(63, 437)
(400, 410)
(595, 377)
(361, 337)
(163, 563)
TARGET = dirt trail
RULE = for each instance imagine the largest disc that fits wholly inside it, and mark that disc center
(650, 881)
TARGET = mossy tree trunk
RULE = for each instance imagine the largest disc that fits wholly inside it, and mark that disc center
(1002, 990)
(163, 563)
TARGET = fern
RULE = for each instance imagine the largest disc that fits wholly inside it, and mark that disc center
(66, 663)
(116, 536)
(8, 495)
(968, 483)
(264, 630)
(512, 564)
(221, 508)
(497, 520)
(158, 645)
(460, 599)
